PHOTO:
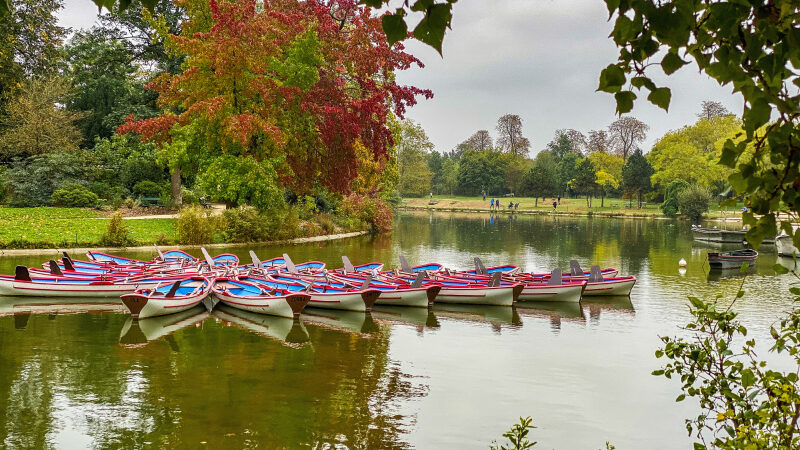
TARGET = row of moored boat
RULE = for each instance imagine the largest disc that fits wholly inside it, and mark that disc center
(176, 281)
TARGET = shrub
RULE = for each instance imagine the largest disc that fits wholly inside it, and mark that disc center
(367, 210)
(117, 233)
(146, 188)
(130, 203)
(74, 196)
(670, 206)
(245, 224)
(189, 197)
(100, 188)
(694, 202)
(195, 226)
(327, 223)
(307, 207)
(32, 181)
(141, 168)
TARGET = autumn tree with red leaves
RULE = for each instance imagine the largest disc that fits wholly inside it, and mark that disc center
(296, 84)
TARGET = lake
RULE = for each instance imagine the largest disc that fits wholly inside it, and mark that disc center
(82, 374)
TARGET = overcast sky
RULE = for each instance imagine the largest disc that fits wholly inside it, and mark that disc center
(539, 59)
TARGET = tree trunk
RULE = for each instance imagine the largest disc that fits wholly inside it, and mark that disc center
(536, 202)
(602, 199)
(175, 181)
(588, 205)
(640, 199)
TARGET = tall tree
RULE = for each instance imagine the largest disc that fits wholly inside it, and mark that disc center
(585, 180)
(413, 147)
(102, 74)
(30, 42)
(608, 171)
(711, 109)
(480, 171)
(566, 172)
(290, 82)
(480, 140)
(542, 178)
(560, 145)
(636, 175)
(510, 138)
(600, 141)
(577, 139)
(627, 132)
(37, 123)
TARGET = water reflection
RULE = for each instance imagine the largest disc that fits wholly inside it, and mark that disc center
(421, 318)
(289, 331)
(498, 317)
(353, 321)
(140, 332)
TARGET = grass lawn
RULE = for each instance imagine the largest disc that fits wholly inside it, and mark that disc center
(74, 227)
(611, 206)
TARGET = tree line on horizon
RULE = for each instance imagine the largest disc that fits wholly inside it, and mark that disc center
(600, 163)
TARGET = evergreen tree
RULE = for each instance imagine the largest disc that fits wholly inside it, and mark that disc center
(636, 175)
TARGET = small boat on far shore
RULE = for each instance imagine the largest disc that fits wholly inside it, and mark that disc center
(785, 245)
(733, 259)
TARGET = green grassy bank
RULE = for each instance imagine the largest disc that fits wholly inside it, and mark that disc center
(612, 207)
(73, 227)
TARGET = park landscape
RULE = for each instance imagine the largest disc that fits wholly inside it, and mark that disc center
(245, 125)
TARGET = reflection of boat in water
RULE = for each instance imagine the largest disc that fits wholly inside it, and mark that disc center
(495, 315)
(421, 317)
(733, 259)
(618, 304)
(142, 331)
(557, 313)
(284, 329)
(789, 263)
(22, 307)
(719, 274)
(358, 321)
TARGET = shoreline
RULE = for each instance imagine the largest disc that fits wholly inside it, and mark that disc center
(530, 212)
(303, 240)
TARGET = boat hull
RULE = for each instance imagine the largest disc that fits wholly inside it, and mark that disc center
(360, 301)
(288, 306)
(414, 297)
(785, 246)
(568, 293)
(610, 287)
(498, 296)
(56, 289)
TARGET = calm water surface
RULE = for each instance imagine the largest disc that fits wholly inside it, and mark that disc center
(84, 375)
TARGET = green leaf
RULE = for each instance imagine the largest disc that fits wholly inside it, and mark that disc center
(5, 8)
(660, 97)
(624, 101)
(757, 115)
(671, 62)
(681, 398)
(611, 79)
(394, 25)
(612, 6)
(431, 28)
(779, 269)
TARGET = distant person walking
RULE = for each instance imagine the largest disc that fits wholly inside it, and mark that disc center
(559, 199)
(484, 195)
(555, 203)
(491, 203)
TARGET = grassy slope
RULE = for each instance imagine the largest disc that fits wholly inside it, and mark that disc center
(612, 206)
(55, 227)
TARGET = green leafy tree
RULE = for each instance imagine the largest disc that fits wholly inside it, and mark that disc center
(567, 170)
(585, 180)
(30, 42)
(608, 170)
(636, 175)
(36, 123)
(413, 147)
(449, 178)
(243, 180)
(32, 181)
(102, 74)
(560, 146)
(671, 204)
(516, 168)
(694, 201)
(542, 179)
(480, 171)
(435, 162)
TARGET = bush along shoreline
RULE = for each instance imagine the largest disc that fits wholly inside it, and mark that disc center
(50, 227)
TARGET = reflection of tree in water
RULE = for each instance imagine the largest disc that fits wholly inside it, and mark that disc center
(217, 384)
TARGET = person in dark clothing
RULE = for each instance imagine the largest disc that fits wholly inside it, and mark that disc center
(555, 203)
(559, 199)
